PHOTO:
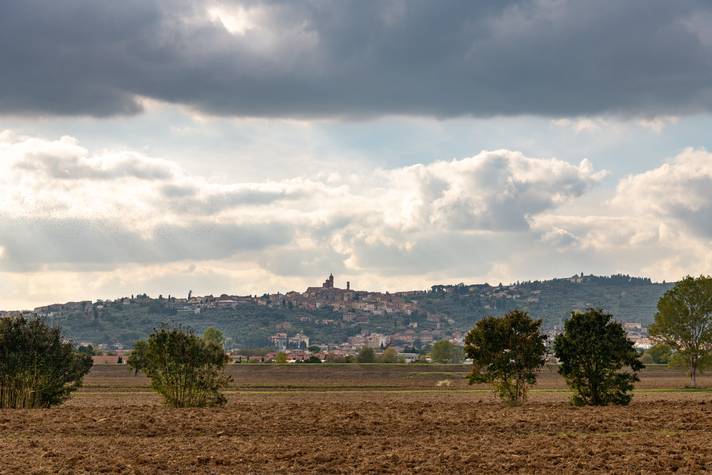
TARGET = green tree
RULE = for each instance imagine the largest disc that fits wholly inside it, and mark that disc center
(185, 369)
(506, 351)
(88, 350)
(446, 352)
(315, 349)
(390, 355)
(658, 354)
(215, 336)
(332, 358)
(366, 355)
(137, 357)
(37, 369)
(684, 322)
(281, 357)
(592, 350)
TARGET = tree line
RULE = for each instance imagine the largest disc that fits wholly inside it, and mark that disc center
(595, 357)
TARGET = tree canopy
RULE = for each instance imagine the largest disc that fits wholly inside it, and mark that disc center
(506, 351)
(390, 355)
(366, 355)
(446, 352)
(592, 350)
(37, 368)
(658, 354)
(684, 322)
(185, 369)
(215, 336)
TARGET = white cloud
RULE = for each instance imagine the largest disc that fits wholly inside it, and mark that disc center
(496, 190)
(497, 215)
(64, 208)
(65, 159)
(237, 20)
(657, 223)
(658, 123)
(678, 192)
(490, 191)
(582, 124)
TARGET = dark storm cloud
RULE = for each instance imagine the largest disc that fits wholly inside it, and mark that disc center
(359, 58)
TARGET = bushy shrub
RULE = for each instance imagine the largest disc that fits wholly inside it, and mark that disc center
(37, 369)
(184, 368)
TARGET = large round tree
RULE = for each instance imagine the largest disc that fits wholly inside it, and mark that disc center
(684, 322)
(506, 352)
(37, 368)
(592, 351)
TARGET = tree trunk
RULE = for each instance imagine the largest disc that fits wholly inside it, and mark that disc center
(693, 373)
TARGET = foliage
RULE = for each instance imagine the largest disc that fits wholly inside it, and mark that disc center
(251, 325)
(185, 369)
(632, 299)
(684, 322)
(262, 351)
(390, 355)
(332, 358)
(312, 359)
(215, 336)
(506, 351)
(366, 355)
(281, 357)
(658, 354)
(37, 369)
(592, 350)
(88, 350)
(444, 352)
(314, 349)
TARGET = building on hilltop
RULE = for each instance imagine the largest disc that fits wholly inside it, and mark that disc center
(300, 340)
(329, 283)
(279, 341)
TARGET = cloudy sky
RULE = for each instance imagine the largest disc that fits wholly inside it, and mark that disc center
(251, 146)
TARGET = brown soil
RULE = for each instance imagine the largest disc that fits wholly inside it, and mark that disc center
(360, 377)
(437, 430)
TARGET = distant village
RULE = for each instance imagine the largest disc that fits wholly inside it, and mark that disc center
(355, 308)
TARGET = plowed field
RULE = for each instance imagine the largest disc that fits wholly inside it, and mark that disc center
(115, 424)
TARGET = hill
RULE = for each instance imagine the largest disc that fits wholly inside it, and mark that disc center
(348, 318)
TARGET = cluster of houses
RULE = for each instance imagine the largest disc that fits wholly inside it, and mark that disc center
(326, 353)
(347, 301)
(351, 308)
(638, 334)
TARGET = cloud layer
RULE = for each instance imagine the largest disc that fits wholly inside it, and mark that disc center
(99, 216)
(305, 58)
(62, 204)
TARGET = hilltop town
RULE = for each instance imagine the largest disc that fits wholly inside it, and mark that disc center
(341, 320)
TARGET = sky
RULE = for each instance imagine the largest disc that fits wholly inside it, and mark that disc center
(251, 146)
